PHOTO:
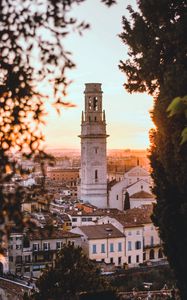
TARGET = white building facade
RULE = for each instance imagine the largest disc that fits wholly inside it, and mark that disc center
(103, 243)
(135, 180)
(93, 136)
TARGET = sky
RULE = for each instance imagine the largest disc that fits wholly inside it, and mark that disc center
(97, 54)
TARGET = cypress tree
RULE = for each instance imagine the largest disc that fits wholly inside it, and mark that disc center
(127, 201)
(157, 64)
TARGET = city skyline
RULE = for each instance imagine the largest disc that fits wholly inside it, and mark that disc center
(97, 56)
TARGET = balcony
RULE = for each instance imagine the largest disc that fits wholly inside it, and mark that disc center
(152, 246)
(42, 251)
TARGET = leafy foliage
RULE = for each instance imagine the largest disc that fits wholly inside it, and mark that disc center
(179, 106)
(73, 273)
(157, 64)
(32, 58)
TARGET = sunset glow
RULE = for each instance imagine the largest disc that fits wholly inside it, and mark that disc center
(97, 54)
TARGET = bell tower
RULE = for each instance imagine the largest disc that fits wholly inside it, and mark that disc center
(93, 136)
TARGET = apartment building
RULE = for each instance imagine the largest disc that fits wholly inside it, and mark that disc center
(103, 243)
(31, 252)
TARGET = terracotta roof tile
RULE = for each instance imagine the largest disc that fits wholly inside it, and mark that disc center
(142, 194)
(101, 231)
(46, 234)
(135, 216)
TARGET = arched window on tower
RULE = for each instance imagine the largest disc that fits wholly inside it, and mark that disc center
(96, 175)
(95, 103)
(90, 103)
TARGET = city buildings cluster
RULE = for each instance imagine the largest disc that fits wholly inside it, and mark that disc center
(105, 211)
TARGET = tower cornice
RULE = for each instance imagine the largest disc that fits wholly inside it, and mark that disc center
(94, 136)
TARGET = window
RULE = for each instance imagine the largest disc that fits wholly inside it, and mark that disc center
(111, 260)
(129, 233)
(160, 254)
(36, 268)
(111, 247)
(18, 270)
(119, 260)
(102, 248)
(90, 103)
(35, 247)
(94, 249)
(117, 197)
(137, 258)
(152, 240)
(18, 259)
(95, 103)
(138, 245)
(11, 259)
(119, 247)
(144, 256)
(46, 246)
(151, 254)
(129, 259)
(138, 232)
(27, 269)
(129, 246)
(96, 175)
(27, 258)
(84, 219)
(58, 245)
(18, 238)
(18, 247)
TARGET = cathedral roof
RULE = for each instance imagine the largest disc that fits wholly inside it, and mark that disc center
(135, 216)
(142, 194)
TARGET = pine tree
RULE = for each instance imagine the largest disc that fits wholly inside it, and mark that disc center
(73, 273)
(157, 64)
(127, 201)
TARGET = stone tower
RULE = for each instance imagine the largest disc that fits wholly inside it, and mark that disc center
(93, 136)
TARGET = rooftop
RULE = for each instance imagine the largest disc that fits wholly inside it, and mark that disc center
(135, 216)
(142, 194)
(96, 212)
(47, 234)
(102, 231)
